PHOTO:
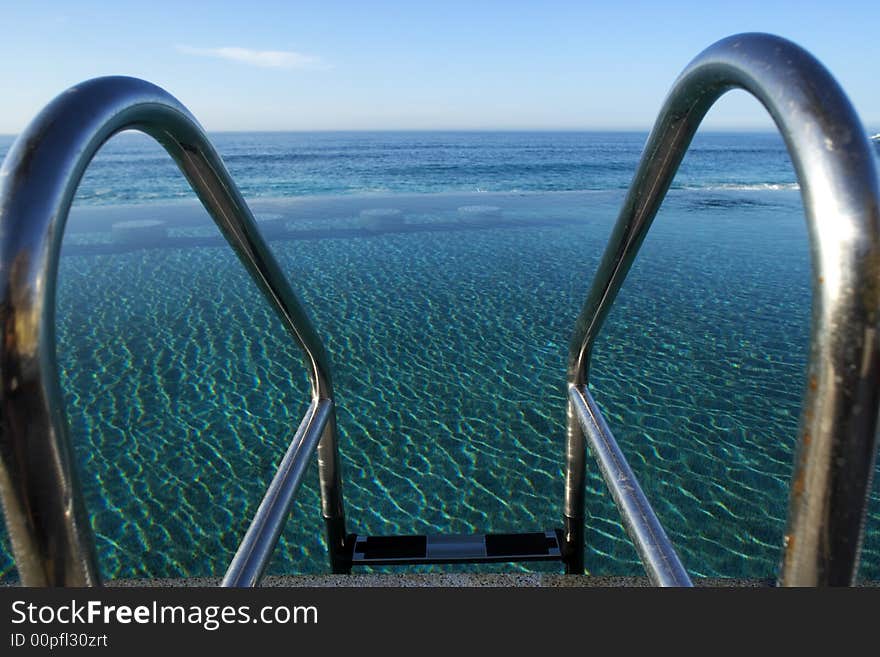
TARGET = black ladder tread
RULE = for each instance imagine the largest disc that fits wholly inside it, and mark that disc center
(455, 548)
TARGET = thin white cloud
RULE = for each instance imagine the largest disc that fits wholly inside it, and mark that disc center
(264, 58)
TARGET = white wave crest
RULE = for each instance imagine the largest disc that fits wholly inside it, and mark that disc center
(747, 187)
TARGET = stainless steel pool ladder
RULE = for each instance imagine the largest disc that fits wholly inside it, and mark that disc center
(837, 439)
(45, 515)
(48, 525)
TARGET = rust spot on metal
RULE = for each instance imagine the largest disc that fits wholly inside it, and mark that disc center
(813, 383)
(807, 439)
(797, 486)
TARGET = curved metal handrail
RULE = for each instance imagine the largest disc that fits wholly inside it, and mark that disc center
(51, 538)
(838, 179)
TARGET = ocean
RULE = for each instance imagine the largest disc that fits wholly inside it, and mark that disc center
(444, 272)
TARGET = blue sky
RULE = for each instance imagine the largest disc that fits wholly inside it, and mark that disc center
(302, 65)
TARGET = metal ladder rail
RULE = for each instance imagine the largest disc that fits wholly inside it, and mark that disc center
(45, 514)
(837, 439)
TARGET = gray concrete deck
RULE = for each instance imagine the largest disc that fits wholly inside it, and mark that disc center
(458, 580)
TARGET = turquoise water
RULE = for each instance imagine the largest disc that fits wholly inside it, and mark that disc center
(448, 341)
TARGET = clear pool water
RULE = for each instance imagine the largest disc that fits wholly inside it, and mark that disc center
(448, 332)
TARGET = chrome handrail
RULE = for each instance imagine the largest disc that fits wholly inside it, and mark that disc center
(652, 544)
(838, 180)
(45, 514)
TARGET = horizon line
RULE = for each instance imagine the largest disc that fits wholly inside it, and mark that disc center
(722, 129)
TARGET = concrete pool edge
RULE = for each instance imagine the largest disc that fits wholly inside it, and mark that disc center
(455, 580)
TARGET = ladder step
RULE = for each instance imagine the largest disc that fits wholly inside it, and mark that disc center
(456, 548)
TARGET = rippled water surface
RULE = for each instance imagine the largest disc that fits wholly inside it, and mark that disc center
(448, 339)
(446, 312)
